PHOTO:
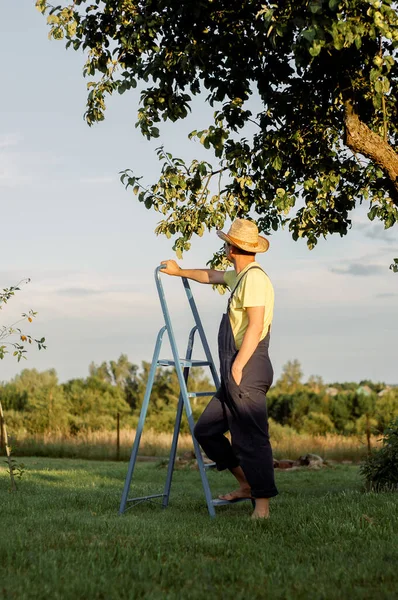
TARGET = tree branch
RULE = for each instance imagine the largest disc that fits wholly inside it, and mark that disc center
(359, 138)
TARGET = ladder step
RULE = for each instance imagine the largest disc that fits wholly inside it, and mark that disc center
(200, 394)
(146, 497)
(184, 362)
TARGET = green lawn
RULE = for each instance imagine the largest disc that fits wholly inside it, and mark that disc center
(62, 538)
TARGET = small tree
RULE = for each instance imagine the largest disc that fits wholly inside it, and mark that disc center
(12, 331)
(17, 340)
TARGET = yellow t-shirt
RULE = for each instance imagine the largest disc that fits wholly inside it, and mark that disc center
(255, 290)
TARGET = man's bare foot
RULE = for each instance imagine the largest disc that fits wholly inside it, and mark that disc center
(242, 492)
(261, 510)
(257, 515)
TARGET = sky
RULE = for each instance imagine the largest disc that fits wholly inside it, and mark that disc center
(89, 246)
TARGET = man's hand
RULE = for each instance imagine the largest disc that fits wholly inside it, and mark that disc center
(237, 373)
(171, 267)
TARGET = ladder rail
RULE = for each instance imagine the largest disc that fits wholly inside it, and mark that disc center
(195, 313)
(201, 332)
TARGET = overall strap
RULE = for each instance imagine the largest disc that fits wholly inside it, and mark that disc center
(238, 282)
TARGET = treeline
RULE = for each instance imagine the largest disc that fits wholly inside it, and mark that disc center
(35, 402)
(319, 408)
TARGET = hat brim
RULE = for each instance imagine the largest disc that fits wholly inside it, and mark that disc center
(262, 245)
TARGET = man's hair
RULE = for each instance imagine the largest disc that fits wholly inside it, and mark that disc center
(244, 252)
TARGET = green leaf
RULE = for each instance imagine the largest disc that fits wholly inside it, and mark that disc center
(316, 8)
(373, 212)
(315, 49)
(277, 163)
(309, 34)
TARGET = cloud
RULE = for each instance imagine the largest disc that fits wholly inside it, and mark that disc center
(11, 174)
(377, 232)
(101, 180)
(361, 225)
(359, 269)
(76, 291)
(387, 295)
(9, 139)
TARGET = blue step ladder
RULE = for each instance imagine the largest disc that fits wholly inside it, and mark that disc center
(182, 366)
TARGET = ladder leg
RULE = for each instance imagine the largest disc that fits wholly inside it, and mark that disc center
(173, 452)
(141, 422)
(202, 470)
(182, 379)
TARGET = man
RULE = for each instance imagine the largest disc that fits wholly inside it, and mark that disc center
(239, 405)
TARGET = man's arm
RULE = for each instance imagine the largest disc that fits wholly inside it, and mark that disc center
(250, 340)
(199, 275)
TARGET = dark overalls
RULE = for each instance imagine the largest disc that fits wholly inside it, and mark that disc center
(242, 410)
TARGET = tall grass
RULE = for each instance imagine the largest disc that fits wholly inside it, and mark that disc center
(101, 445)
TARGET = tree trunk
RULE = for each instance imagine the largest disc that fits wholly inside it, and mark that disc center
(118, 436)
(4, 438)
(362, 140)
(368, 433)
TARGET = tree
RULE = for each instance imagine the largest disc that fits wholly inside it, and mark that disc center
(386, 409)
(325, 74)
(46, 405)
(122, 370)
(290, 379)
(93, 403)
(121, 373)
(101, 372)
(315, 384)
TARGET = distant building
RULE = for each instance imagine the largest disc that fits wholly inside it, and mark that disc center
(364, 390)
(331, 391)
(382, 393)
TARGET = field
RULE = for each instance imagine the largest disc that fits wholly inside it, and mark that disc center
(63, 539)
(101, 445)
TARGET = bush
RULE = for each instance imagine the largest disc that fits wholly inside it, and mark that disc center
(279, 433)
(380, 469)
(317, 423)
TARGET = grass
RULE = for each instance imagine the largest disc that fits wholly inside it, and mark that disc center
(101, 445)
(63, 539)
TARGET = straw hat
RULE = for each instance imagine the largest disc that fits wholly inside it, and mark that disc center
(244, 235)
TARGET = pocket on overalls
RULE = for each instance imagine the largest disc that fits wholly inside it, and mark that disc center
(235, 389)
